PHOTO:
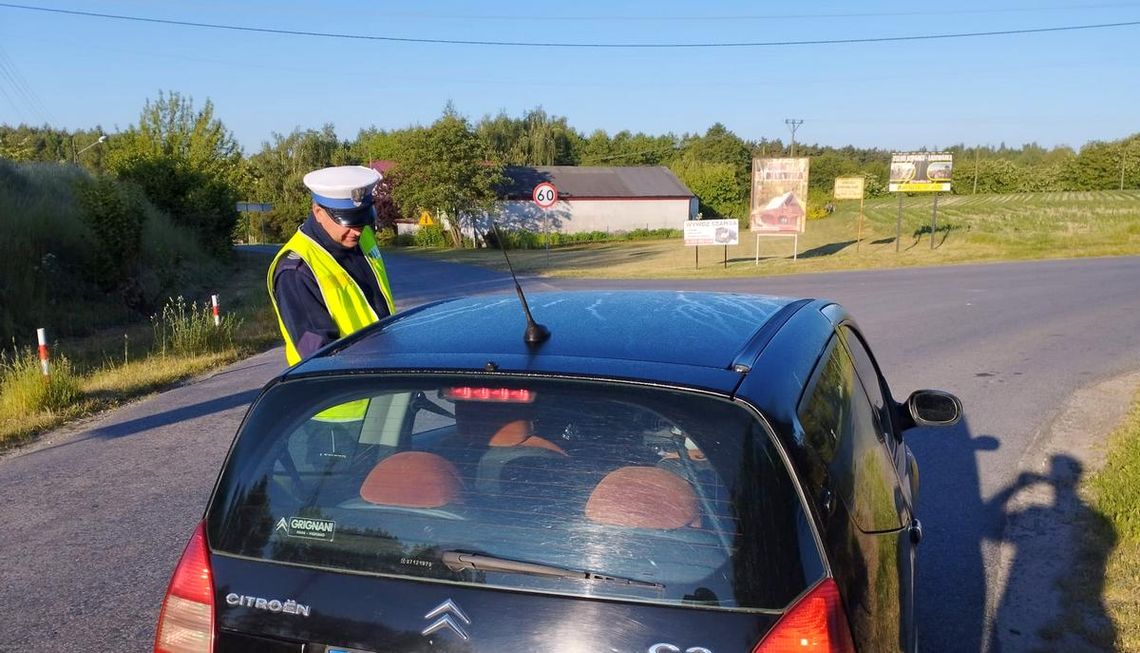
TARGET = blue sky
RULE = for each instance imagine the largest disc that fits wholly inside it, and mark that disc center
(1052, 88)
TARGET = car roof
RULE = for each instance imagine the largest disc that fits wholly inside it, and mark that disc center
(690, 338)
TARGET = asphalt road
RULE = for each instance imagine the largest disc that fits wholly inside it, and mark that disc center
(94, 516)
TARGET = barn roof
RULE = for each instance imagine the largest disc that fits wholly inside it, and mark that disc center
(596, 182)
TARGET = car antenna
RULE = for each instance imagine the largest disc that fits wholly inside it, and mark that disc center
(535, 333)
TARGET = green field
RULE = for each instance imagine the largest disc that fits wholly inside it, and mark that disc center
(969, 229)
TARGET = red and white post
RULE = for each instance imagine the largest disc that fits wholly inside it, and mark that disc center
(217, 316)
(41, 336)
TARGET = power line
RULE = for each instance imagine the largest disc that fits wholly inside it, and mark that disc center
(11, 74)
(528, 44)
(546, 18)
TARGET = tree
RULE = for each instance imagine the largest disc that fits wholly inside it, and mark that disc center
(443, 169)
(715, 185)
(375, 144)
(187, 163)
(275, 174)
(536, 139)
(387, 211)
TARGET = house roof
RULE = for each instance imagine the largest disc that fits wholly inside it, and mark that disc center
(596, 182)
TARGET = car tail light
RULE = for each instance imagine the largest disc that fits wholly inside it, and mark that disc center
(815, 623)
(186, 623)
(501, 395)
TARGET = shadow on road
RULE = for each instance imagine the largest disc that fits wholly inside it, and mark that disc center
(158, 420)
(1043, 539)
(957, 522)
(1032, 520)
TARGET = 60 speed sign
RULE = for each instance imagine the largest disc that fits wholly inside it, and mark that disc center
(545, 195)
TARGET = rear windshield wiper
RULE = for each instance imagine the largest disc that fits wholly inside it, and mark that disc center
(460, 560)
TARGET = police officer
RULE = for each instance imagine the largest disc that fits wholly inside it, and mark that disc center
(329, 280)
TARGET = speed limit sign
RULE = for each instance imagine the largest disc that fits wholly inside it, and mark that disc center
(545, 195)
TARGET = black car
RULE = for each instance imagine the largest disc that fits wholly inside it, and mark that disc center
(661, 472)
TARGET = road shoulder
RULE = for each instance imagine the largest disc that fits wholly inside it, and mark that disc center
(1044, 521)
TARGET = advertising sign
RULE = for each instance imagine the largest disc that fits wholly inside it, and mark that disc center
(849, 188)
(712, 232)
(921, 172)
(779, 196)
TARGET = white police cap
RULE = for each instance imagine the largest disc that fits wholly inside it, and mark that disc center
(346, 192)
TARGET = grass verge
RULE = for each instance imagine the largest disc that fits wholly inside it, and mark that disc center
(1109, 546)
(117, 365)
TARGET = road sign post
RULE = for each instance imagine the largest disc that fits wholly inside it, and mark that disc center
(545, 196)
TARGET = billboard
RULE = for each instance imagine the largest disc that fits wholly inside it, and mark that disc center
(712, 232)
(921, 172)
(779, 196)
(849, 188)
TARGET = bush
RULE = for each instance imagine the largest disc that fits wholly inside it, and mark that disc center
(115, 218)
(431, 235)
(203, 204)
(184, 328)
(25, 390)
(654, 234)
(79, 253)
(44, 250)
(386, 237)
(818, 203)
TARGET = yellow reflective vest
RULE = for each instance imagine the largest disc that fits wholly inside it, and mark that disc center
(344, 299)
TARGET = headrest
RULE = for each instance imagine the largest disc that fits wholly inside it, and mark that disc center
(412, 479)
(518, 434)
(643, 497)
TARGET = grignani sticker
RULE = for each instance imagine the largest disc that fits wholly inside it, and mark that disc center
(306, 527)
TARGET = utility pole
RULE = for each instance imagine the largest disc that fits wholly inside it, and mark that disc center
(793, 124)
(75, 155)
(1123, 158)
(975, 171)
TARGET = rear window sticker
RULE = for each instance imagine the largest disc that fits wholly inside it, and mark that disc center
(306, 527)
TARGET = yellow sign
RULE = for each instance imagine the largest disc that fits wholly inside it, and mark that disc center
(849, 188)
(425, 219)
(921, 172)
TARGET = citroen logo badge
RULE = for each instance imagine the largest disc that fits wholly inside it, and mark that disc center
(447, 615)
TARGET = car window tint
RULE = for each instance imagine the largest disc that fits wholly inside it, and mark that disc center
(872, 384)
(684, 493)
(842, 433)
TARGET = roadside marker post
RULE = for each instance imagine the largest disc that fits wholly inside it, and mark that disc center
(217, 317)
(41, 336)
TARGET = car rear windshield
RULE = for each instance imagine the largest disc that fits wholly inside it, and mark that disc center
(580, 488)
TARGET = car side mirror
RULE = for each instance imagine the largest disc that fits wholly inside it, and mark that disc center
(934, 408)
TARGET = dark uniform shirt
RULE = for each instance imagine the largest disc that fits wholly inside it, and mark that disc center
(299, 299)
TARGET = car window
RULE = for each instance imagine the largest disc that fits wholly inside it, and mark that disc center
(841, 432)
(681, 496)
(872, 384)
